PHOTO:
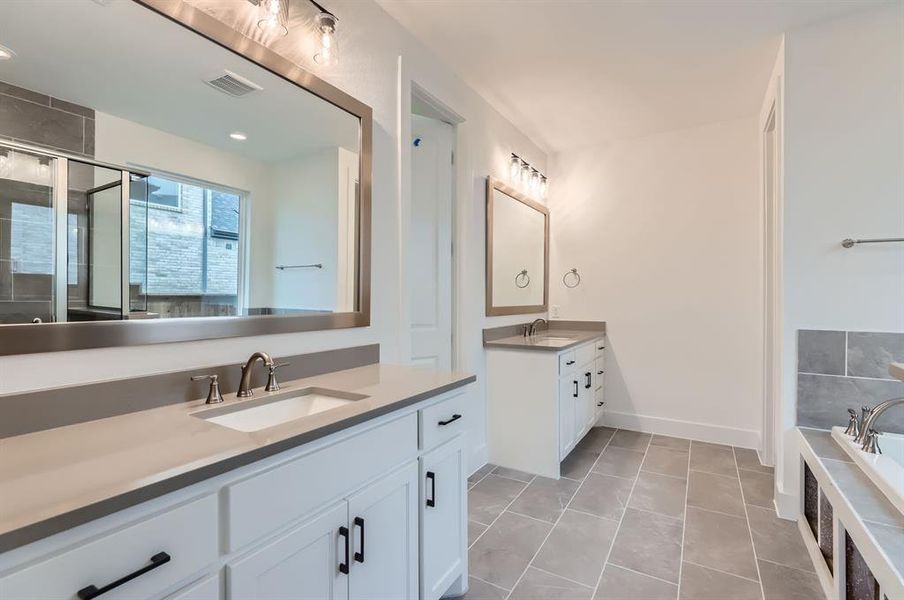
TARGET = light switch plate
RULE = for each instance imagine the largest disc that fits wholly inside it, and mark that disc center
(554, 311)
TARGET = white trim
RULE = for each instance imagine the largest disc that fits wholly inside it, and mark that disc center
(702, 432)
(787, 506)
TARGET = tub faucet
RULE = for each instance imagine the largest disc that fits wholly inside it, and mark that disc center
(245, 383)
(869, 441)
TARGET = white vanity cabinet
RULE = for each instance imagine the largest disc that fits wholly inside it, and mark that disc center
(375, 511)
(542, 403)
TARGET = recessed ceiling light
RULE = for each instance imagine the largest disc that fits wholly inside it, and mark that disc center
(6, 53)
(238, 135)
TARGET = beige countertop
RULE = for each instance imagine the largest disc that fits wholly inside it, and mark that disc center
(896, 370)
(56, 479)
(542, 341)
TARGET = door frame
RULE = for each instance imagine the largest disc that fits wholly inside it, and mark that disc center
(771, 119)
(440, 111)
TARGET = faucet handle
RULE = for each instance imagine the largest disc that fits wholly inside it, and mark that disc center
(213, 394)
(853, 427)
(871, 443)
(272, 384)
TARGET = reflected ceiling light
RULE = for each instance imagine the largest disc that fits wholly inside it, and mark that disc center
(238, 135)
(6, 53)
(274, 16)
(328, 54)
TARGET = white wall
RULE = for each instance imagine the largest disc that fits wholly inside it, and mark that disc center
(379, 61)
(844, 177)
(665, 232)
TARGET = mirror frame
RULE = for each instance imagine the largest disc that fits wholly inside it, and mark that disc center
(491, 309)
(56, 337)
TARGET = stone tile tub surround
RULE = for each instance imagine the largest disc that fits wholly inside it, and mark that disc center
(860, 510)
(838, 370)
(635, 516)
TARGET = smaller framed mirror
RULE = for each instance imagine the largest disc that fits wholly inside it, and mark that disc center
(517, 252)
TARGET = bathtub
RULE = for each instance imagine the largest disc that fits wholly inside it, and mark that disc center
(886, 470)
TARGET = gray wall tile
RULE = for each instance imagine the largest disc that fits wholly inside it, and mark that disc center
(869, 354)
(822, 401)
(820, 352)
(14, 90)
(38, 124)
(72, 107)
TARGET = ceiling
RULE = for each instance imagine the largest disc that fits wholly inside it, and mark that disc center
(576, 73)
(124, 60)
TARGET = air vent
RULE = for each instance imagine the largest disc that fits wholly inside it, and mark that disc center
(232, 84)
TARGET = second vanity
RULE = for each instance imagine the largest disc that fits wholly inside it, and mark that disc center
(544, 393)
(365, 500)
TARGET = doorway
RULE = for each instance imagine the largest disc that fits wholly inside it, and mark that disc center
(430, 259)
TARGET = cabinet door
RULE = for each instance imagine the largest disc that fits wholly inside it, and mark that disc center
(303, 563)
(383, 522)
(569, 393)
(443, 512)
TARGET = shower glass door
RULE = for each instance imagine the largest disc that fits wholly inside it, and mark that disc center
(27, 237)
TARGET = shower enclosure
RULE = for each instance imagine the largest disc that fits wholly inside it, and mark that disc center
(73, 238)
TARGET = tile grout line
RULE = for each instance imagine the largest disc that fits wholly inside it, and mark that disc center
(756, 563)
(690, 562)
(629, 569)
(793, 568)
(500, 588)
(583, 585)
(551, 529)
(502, 512)
(621, 520)
(687, 490)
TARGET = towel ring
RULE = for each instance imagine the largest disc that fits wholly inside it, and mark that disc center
(522, 276)
(576, 280)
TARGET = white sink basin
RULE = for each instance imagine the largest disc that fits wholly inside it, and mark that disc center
(276, 409)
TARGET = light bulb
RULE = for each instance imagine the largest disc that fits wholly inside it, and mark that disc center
(534, 184)
(525, 173)
(328, 54)
(515, 168)
(544, 187)
(273, 17)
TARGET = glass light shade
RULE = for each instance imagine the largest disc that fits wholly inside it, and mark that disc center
(274, 17)
(544, 187)
(328, 54)
(534, 180)
(515, 168)
(525, 173)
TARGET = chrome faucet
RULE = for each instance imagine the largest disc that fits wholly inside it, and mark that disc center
(532, 329)
(245, 383)
(870, 441)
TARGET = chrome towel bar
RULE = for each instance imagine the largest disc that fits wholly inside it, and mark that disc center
(849, 243)
(311, 266)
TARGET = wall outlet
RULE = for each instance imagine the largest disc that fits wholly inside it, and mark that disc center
(554, 311)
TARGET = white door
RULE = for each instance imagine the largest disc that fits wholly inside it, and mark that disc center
(569, 393)
(443, 509)
(430, 247)
(303, 564)
(383, 519)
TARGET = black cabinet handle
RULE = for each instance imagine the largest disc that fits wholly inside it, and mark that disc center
(588, 384)
(600, 403)
(447, 421)
(343, 566)
(92, 591)
(599, 372)
(600, 347)
(431, 500)
(575, 389)
(569, 363)
(359, 522)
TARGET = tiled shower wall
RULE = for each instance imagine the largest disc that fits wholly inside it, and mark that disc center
(838, 370)
(33, 118)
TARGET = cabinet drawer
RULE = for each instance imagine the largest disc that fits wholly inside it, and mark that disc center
(443, 421)
(585, 354)
(266, 502)
(567, 362)
(599, 347)
(599, 372)
(187, 534)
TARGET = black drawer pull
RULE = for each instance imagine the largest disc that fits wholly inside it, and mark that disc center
(575, 389)
(447, 421)
(431, 500)
(587, 385)
(343, 566)
(600, 403)
(359, 522)
(569, 363)
(600, 347)
(92, 591)
(599, 372)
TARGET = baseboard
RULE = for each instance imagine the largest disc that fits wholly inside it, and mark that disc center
(743, 438)
(787, 506)
(477, 458)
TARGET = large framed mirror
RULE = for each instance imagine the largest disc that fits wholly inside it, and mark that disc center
(164, 178)
(517, 270)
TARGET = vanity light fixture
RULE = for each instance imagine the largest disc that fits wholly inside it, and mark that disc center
(544, 187)
(534, 184)
(238, 135)
(274, 16)
(525, 173)
(325, 22)
(6, 53)
(515, 168)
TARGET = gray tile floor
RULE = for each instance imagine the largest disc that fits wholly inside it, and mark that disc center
(635, 516)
